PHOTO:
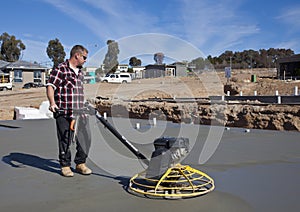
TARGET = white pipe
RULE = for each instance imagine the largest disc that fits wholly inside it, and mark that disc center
(154, 121)
(279, 99)
(137, 125)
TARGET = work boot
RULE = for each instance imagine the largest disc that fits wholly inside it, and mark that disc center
(83, 169)
(66, 171)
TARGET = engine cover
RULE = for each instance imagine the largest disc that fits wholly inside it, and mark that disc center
(168, 151)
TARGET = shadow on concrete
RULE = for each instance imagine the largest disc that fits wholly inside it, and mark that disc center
(21, 160)
(122, 180)
(8, 126)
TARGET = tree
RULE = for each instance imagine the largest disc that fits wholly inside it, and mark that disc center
(133, 61)
(111, 58)
(250, 58)
(159, 58)
(10, 47)
(213, 60)
(226, 56)
(99, 72)
(56, 52)
(199, 63)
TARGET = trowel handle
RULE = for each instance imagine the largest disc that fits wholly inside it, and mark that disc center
(72, 125)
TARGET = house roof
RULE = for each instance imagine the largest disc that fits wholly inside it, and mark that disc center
(293, 58)
(3, 63)
(25, 65)
(155, 66)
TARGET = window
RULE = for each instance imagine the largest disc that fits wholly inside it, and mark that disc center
(18, 76)
(37, 76)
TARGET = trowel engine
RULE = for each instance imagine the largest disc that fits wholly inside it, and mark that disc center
(168, 151)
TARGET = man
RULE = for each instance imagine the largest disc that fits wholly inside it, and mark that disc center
(65, 93)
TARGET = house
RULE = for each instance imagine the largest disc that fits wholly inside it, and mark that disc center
(90, 75)
(180, 69)
(154, 71)
(138, 71)
(289, 67)
(170, 70)
(22, 72)
(122, 67)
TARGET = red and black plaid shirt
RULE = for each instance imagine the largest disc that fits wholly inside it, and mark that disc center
(68, 92)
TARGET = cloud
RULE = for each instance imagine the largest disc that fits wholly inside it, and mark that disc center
(123, 18)
(35, 52)
(291, 44)
(146, 45)
(214, 26)
(83, 16)
(107, 19)
(108, 7)
(290, 16)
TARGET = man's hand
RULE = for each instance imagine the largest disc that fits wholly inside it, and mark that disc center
(53, 108)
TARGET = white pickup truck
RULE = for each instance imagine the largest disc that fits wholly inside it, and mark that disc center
(117, 78)
(6, 86)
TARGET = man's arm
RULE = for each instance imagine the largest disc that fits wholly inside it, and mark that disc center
(50, 96)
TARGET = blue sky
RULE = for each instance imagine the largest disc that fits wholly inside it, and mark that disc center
(210, 26)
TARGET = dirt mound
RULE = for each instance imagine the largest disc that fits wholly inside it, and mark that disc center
(272, 117)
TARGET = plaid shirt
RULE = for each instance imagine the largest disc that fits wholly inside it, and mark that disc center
(68, 94)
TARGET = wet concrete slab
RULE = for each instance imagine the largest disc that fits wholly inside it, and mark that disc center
(253, 171)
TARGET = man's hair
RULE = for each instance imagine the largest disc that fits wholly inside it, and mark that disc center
(78, 49)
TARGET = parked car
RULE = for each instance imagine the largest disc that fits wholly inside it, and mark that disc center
(6, 86)
(32, 85)
(5, 83)
(117, 78)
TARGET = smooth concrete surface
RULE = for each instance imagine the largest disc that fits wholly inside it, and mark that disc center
(253, 171)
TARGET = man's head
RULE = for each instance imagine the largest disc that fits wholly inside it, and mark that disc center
(78, 55)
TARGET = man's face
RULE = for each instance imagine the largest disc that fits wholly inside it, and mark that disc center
(82, 57)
